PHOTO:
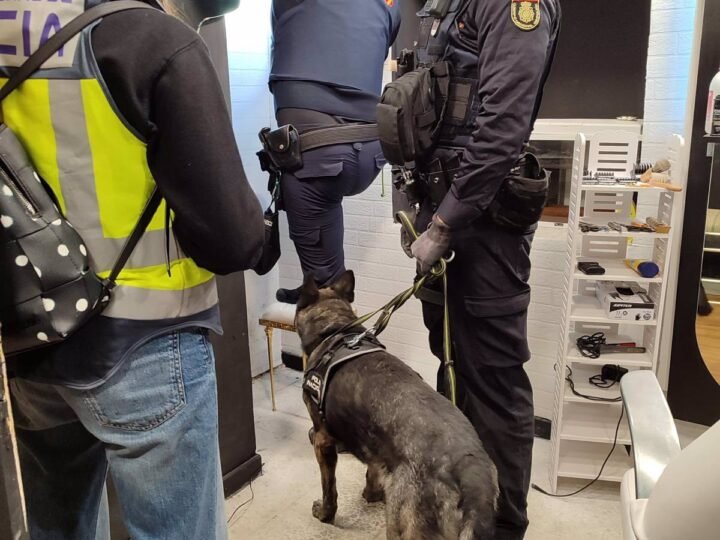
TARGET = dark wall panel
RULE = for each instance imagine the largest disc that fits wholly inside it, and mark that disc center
(693, 393)
(599, 70)
(600, 67)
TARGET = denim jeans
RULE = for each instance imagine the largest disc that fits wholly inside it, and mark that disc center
(153, 425)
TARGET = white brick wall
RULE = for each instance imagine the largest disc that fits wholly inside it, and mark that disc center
(668, 66)
(371, 243)
(249, 57)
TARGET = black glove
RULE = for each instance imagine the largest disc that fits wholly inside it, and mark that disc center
(432, 245)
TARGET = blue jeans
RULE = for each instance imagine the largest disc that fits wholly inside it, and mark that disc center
(153, 425)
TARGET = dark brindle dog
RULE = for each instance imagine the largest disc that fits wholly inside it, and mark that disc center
(423, 456)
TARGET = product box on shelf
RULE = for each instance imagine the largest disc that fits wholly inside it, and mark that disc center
(625, 301)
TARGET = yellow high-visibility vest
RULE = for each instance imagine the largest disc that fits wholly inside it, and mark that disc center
(96, 165)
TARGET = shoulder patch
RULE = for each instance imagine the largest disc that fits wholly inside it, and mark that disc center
(525, 14)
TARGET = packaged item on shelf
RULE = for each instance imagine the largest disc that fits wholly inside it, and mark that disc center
(646, 269)
(625, 301)
(657, 225)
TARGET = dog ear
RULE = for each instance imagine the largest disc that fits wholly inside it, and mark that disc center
(309, 293)
(344, 287)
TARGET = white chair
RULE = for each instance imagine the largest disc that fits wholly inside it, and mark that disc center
(278, 316)
(671, 494)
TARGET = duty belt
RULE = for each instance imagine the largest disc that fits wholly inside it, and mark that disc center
(283, 147)
(342, 348)
(342, 134)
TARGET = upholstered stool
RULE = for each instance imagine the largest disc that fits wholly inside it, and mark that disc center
(279, 316)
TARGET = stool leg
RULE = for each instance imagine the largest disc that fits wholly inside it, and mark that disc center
(269, 334)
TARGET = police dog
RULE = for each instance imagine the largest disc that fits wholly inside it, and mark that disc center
(424, 458)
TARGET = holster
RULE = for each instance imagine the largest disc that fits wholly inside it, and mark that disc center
(281, 149)
(406, 62)
(520, 201)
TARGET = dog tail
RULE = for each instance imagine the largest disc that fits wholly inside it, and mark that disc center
(479, 494)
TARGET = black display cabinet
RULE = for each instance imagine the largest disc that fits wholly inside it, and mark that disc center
(240, 463)
(693, 393)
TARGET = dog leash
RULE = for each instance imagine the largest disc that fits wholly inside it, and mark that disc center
(438, 271)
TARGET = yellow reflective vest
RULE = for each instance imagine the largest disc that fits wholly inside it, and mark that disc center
(96, 165)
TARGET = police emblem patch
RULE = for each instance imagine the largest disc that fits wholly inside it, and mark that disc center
(525, 14)
(390, 3)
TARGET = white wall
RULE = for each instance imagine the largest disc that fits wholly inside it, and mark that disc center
(248, 31)
(668, 67)
(371, 242)
(673, 31)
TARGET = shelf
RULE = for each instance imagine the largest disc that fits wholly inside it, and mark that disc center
(584, 387)
(643, 360)
(616, 270)
(618, 188)
(583, 460)
(620, 219)
(588, 309)
(592, 421)
(627, 234)
(580, 377)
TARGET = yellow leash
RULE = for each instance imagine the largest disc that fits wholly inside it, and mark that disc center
(438, 271)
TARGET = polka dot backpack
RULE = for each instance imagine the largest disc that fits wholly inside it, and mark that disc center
(47, 288)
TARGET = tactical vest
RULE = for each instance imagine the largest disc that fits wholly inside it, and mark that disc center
(462, 105)
(96, 166)
(430, 104)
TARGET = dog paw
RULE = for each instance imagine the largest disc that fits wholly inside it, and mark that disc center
(322, 513)
(373, 496)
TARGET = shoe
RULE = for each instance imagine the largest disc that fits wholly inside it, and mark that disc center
(340, 446)
(288, 296)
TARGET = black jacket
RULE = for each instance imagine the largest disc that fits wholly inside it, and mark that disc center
(160, 75)
(511, 64)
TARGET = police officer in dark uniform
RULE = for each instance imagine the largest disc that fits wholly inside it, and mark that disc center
(327, 70)
(500, 53)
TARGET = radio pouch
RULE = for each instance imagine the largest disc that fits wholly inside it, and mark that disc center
(410, 114)
(282, 147)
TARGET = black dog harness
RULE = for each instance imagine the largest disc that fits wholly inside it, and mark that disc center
(342, 349)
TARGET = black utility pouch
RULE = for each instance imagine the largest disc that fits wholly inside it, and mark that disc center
(282, 146)
(410, 113)
(437, 182)
(271, 246)
(521, 199)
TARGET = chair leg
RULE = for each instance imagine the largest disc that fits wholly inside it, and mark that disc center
(269, 334)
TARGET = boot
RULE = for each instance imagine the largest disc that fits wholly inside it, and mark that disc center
(288, 296)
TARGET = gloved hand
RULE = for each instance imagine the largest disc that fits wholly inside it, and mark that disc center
(432, 245)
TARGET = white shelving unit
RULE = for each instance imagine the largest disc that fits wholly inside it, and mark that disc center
(584, 430)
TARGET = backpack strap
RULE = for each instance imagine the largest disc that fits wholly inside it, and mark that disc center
(148, 212)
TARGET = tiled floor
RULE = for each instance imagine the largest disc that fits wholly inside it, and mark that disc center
(277, 505)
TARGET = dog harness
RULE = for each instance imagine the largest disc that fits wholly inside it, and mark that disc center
(342, 348)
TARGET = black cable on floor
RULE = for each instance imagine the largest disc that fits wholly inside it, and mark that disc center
(599, 474)
(252, 497)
